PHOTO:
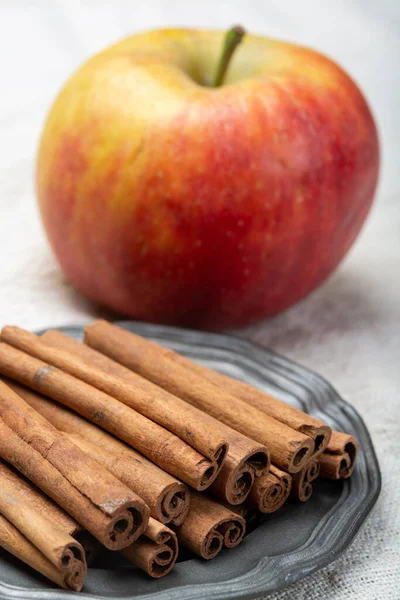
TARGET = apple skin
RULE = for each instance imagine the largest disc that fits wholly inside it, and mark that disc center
(173, 202)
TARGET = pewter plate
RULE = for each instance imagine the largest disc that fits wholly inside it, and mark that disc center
(286, 546)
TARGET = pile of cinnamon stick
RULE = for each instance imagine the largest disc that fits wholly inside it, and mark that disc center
(123, 443)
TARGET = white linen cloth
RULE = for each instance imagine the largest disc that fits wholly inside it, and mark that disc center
(348, 330)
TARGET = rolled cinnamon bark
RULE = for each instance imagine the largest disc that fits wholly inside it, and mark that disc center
(302, 482)
(60, 519)
(335, 466)
(124, 468)
(195, 427)
(115, 530)
(341, 443)
(17, 505)
(235, 480)
(12, 540)
(270, 491)
(289, 448)
(42, 504)
(281, 411)
(284, 477)
(245, 458)
(156, 551)
(102, 504)
(158, 444)
(338, 460)
(167, 498)
(39, 501)
(209, 526)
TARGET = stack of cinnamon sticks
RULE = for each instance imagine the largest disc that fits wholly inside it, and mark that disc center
(121, 442)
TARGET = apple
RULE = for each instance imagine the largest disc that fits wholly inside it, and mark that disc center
(171, 198)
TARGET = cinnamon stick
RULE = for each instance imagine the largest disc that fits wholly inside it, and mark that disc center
(245, 458)
(281, 411)
(302, 482)
(80, 485)
(36, 468)
(289, 448)
(56, 515)
(17, 505)
(343, 442)
(156, 443)
(335, 466)
(284, 477)
(195, 427)
(209, 526)
(235, 480)
(338, 460)
(167, 498)
(156, 551)
(270, 491)
(39, 501)
(12, 540)
(123, 467)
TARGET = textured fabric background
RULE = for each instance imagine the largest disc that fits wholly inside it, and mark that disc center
(348, 330)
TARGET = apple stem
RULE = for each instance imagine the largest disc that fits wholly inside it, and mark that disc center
(232, 39)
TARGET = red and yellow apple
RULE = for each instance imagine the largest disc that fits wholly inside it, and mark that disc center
(172, 201)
